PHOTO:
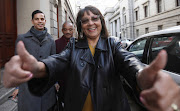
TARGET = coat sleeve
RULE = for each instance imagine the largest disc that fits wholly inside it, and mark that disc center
(55, 66)
(126, 63)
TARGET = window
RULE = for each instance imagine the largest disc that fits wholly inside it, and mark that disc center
(161, 42)
(172, 46)
(116, 28)
(178, 23)
(124, 15)
(125, 19)
(136, 13)
(137, 32)
(146, 11)
(159, 6)
(146, 30)
(160, 27)
(138, 48)
(177, 2)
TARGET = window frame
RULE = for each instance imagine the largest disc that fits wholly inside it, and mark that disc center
(145, 50)
(137, 17)
(159, 6)
(146, 8)
(177, 3)
(146, 30)
(146, 11)
(160, 27)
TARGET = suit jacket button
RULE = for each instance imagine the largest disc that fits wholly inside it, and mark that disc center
(82, 64)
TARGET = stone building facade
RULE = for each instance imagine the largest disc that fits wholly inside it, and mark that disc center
(138, 17)
(155, 15)
(121, 19)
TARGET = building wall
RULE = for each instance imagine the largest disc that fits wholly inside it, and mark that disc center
(53, 18)
(120, 26)
(169, 17)
(45, 7)
(107, 16)
(49, 8)
(66, 13)
(124, 10)
(24, 11)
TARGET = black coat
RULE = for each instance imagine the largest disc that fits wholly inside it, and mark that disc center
(99, 74)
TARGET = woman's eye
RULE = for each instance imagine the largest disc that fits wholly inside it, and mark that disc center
(85, 21)
(94, 19)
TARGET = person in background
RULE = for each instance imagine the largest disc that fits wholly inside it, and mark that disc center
(67, 30)
(40, 44)
(94, 62)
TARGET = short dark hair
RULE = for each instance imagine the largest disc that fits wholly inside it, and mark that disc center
(35, 12)
(94, 10)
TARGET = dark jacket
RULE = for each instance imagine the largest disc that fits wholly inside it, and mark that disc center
(61, 43)
(99, 74)
(40, 50)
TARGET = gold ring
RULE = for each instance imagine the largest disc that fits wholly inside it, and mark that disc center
(174, 107)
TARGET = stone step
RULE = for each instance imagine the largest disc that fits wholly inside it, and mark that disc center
(5, 93)
(9, 105)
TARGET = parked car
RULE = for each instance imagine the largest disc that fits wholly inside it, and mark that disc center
(146, 48)
(125, 42)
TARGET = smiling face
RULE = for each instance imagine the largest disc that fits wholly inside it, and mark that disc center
(39, 21)
(68, 30)
(91, 25)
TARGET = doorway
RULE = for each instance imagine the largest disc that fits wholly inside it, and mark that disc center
(8, 30)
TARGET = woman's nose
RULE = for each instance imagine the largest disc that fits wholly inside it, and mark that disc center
(90, 22)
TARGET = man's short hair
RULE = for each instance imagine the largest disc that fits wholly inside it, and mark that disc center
(67, 22)
(35, 12)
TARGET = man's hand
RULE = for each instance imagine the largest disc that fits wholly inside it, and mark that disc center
(15, 93)
(159, 89)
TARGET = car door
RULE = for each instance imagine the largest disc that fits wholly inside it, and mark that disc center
(170, 43)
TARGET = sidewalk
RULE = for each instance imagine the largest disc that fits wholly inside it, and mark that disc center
(5, 103)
